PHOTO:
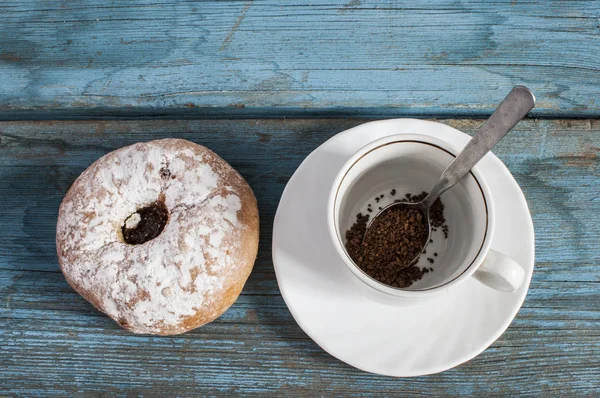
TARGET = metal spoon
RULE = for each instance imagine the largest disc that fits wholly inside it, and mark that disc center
(514, 108)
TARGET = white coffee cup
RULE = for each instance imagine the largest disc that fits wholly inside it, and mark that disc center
(411, 163)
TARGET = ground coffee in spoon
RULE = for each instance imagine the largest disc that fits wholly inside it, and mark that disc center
(393, 241)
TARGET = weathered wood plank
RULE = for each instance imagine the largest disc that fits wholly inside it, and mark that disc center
(267, 58)
(54, 342)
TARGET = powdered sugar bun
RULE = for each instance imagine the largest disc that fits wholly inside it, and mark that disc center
(193, 270)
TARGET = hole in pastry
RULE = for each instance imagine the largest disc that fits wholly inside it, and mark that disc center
(165, 173)
(146, 223)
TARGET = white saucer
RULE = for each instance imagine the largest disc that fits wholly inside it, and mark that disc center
(397, 341)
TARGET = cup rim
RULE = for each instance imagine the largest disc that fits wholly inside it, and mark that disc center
(359, 273)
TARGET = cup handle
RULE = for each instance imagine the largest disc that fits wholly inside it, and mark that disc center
(500, 272)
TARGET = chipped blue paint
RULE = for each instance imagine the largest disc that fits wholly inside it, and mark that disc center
(52, 342)
(264, 58)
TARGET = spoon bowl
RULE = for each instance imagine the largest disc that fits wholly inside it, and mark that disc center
(419, 206)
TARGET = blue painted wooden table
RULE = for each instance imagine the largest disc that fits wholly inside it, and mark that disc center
(263, 83)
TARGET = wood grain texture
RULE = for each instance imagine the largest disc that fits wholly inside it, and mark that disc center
(53, 342)
(264, 57)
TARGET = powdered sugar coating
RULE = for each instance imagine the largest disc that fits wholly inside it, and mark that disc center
(188, 274)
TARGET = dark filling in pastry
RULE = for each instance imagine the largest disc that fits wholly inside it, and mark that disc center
(146, 223)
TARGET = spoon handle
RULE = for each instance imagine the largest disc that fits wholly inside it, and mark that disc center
(512, 109)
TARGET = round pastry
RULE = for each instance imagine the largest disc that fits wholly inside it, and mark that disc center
(161, 236)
